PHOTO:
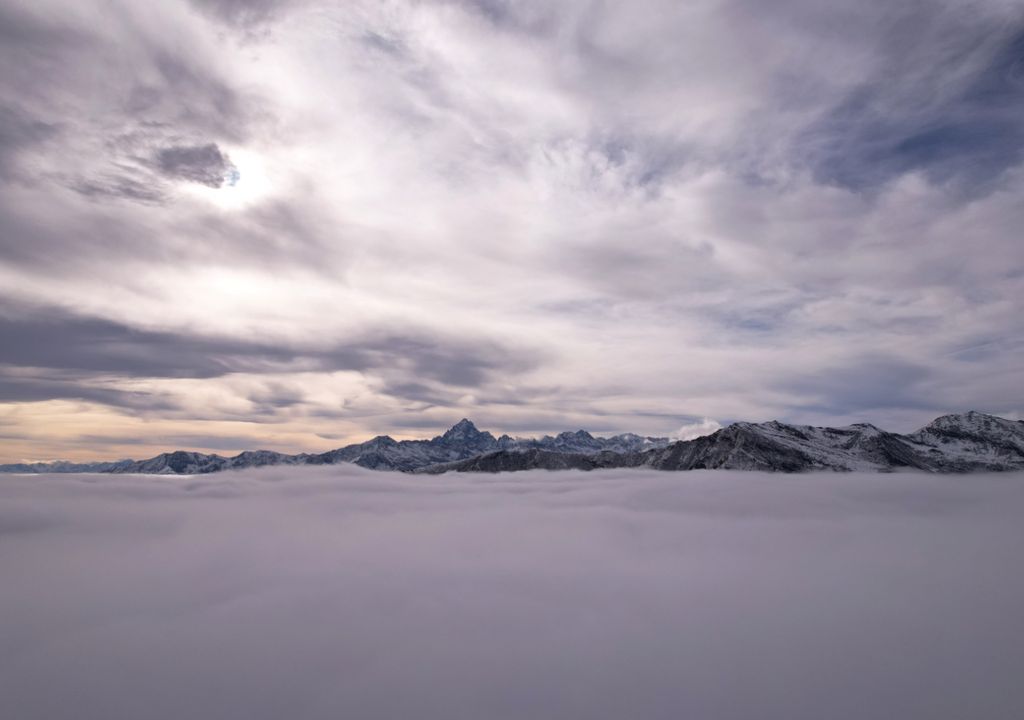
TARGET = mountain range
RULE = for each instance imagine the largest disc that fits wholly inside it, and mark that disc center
(966, 442)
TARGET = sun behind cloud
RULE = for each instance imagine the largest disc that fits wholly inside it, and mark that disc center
(245, 182)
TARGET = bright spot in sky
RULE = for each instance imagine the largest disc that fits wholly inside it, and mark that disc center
(244, 183)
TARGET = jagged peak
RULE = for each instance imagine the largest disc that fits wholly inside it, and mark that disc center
(462, 430)
(580, 434)
(464, 424)
(755, 426)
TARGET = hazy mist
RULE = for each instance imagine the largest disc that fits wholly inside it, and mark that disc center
(343, 593)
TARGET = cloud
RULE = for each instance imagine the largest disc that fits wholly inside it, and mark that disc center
(541, 216)
(697, 429)
(203, 164)
(55, 354)
(948, 110)
(35, 387)
(19, 132)
(155, 92)
(868, 383)
(341, 592)
(244, 13)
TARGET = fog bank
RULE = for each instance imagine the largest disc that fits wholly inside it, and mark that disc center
(343, 593)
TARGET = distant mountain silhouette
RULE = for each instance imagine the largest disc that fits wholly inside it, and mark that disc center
(966, 442)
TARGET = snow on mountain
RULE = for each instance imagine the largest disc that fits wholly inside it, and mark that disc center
(461, 441)
(520, 459)
(776, 446)
(584, 443)
(464, 441)
(952, 443)
(972, 441)
(179, 462)
(63, 466)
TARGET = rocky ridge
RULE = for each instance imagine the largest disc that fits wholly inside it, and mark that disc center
(966, 442)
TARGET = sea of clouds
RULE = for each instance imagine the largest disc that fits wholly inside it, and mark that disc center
(342, 593)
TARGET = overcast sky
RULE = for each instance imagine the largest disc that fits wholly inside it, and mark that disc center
(292, 224)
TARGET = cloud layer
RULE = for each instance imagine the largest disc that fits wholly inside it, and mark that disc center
(544, 216)
(347, 593)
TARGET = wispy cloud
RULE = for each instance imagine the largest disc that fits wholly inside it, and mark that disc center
(543, 216)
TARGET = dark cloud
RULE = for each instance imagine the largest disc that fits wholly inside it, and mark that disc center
(124, 187)
(272, 398)
(70, 342)
(35, 43)
(174, 107)
(84, 348)
(458, 364)
(946, 103)
(276, 395)
(864, 383)
(419, 392)
(18, 133)
(195, 97)
(203, 164)
(51, 63)
(185, 441)
(33, 387)
(244, 13)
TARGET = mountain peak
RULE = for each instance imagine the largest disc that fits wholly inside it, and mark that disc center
(961, 442)
(464, 428)
(969, 418)
(578, 435)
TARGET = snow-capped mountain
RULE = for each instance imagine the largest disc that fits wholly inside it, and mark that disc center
(953, 443)
(460, 442)
(971, 441)
(776, 446)
(584, 443)
(531, 459)
(63, 466)
(464, 440)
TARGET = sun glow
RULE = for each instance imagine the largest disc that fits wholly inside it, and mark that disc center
(245, 182)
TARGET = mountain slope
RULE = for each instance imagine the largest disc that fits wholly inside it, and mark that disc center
(952, 443)
(778, 447)
(971, 441)
(464, 441)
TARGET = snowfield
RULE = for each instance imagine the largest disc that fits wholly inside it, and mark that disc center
(338, 592)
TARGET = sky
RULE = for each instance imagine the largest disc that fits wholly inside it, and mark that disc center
(320, 593)
(292, 225)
